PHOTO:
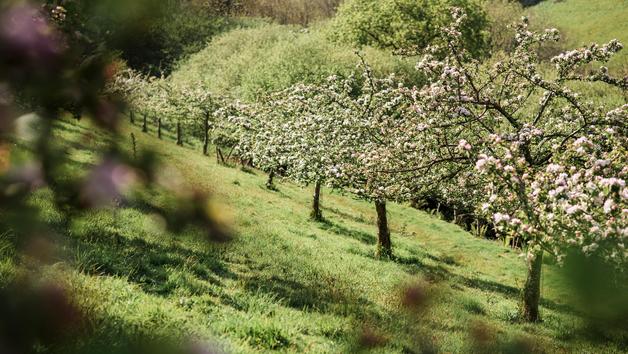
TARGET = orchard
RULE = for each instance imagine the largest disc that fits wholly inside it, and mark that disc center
(526, 142)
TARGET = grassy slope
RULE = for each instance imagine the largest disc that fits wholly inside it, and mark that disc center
(286, 283)
(584, 22)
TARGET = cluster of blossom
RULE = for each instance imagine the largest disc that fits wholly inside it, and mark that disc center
(58, 13)
(565, 62)
(578, 201)
(551, 162)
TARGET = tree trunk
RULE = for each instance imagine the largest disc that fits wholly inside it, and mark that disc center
(132, 116)
(145, 123)
(206, 136)
(270, 184)
(230, 153)
(317, 214)
(532, 290)
(179, 134)
(222, 157)
(159, 128)
(384, 246)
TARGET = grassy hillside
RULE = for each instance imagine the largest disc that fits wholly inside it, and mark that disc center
(584, 21)
(284, 283)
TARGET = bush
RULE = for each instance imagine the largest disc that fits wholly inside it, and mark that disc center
(402, 24)
(502, 14)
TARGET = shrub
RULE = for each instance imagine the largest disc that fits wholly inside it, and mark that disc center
(402, 24)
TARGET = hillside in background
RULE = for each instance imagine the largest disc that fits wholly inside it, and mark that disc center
(583, 22)
(264, 57)
(249, 62)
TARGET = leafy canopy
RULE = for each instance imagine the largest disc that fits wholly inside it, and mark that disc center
(403, 24)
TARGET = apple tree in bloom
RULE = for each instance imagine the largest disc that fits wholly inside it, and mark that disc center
(127, 84)
(311, 135)
(230, 121)
(551, 159)
(262, 136)
(357, 109)
(198, 105)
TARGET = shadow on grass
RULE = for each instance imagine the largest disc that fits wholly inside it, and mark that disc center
(317, 293)
(345, 215)
(342, 230)
(150, 265)
(158, 268)
(436, 273)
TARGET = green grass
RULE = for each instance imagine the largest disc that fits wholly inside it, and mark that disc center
(285, 283)
(583, 22)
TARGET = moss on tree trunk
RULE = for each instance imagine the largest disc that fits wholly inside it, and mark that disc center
(270, 184)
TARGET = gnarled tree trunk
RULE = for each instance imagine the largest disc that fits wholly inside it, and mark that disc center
(179, 134)
(317, 214)
(532, 289)
(384, 246)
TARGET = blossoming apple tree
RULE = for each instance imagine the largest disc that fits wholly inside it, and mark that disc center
(552, 161)
(354, 108)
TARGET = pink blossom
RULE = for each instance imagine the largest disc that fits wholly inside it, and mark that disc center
(499, 217)
(464, 145)
(554, 168)
(609, 205)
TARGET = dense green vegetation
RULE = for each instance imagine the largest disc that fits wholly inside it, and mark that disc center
(285, 283)
(401, 25)
(247, 63)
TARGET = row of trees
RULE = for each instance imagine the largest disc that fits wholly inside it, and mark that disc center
(513, 139)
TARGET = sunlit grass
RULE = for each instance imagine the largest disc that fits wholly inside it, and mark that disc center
(285, 283)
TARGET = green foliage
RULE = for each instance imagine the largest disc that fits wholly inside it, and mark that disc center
(247, 63)
(151, 36)
(403, 24)
(502, 14)
(174, 36)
